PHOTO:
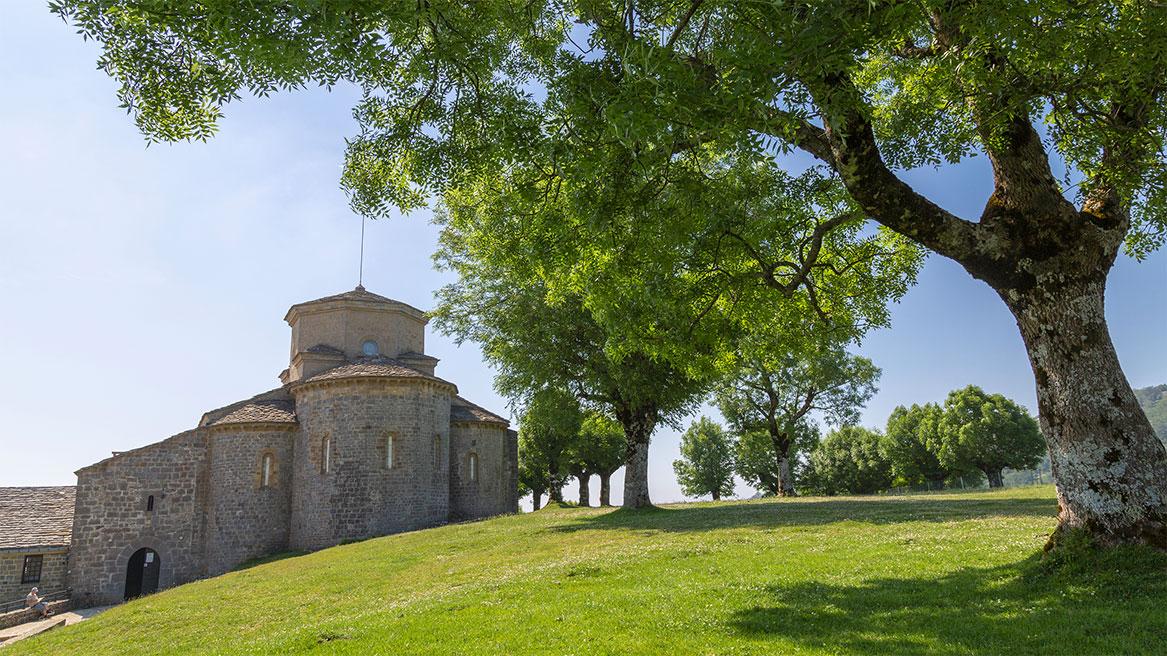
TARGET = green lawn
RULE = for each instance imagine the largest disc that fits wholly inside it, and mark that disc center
(928, 574)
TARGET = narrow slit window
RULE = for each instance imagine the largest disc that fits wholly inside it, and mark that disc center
(265, 471)
(473, 467)
(150, 503)
(326, 455)
(389, 451)
(438, 452)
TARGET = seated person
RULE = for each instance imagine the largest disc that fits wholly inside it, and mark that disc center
(35, 602)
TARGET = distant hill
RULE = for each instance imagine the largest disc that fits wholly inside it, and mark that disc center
(1154, 402)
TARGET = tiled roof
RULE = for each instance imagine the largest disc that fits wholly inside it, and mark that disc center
(463, 410)
(373, 367)
(325, 348)
(358, 294)
(36, 516)
(276, 411)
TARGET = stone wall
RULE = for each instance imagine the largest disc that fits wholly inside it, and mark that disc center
(246, 519)
(495, 490)
(54, 570)
(360, 497)
(18, 617)
(111, 521)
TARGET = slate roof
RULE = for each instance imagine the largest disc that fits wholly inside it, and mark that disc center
(463, 410)
(36, 516)
(373, 367)
(274, 411)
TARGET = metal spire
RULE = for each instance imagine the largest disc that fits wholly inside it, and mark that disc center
(361, 270)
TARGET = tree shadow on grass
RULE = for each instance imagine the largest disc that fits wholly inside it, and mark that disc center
(1110, 603)
(774, 514)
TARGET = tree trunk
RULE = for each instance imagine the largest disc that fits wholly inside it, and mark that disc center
(536, 499)
(716, 495)
(636, 474)
(606, 488)
(585, 494)
(1108, 465)
(556, 490)
(638, 425)
(994, 476)
(781, 442)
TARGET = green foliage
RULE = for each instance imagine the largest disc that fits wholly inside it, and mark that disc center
(912, 445)
(601, 445)
(988, 432)
(707, 460)
(1153, 400)
(548, 429)
(756, 460)
(457, 92)
(849, 460)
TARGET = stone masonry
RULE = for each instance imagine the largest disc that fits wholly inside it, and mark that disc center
(361, 440)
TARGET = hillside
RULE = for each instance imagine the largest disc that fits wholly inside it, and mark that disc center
(1153, 400)
(929, 574)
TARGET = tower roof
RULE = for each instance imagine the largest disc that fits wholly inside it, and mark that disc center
(355, 298)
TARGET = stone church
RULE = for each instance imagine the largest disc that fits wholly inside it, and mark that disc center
(361, 439)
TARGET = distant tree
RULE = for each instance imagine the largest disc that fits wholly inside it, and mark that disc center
(533, 476)
(535, 341)
(849, 460)
(1153, 401)
(707, 459)
(600, 449)
(988, 432)
(491, 94)
(774, 393)
(549, 426)
(912, 445)
(755, 457)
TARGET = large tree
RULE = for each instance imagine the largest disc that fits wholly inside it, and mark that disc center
(756, 459)
(622, 94)
(988, 432)
(548, 429)
(774, 392)
(707, 460)
(600, 450)
(912, 444)
(849, 460)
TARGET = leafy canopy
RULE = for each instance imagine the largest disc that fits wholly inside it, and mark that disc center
(706, 465)
(458, 93)
(988, 431)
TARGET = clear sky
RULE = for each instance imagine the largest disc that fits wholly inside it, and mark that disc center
(140, 287)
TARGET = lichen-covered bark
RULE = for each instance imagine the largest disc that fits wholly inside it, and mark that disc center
(781, 442)
(785, 479)
(638, 423)
(1108, 465)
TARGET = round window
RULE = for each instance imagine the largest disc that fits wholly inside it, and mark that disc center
(370, 348)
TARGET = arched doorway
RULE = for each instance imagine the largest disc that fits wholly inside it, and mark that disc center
(142, 573)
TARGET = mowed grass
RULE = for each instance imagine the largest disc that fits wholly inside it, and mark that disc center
(927, 574)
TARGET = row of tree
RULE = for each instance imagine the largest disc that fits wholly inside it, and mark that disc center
(558, 441)
(617, 202)
(973, 434)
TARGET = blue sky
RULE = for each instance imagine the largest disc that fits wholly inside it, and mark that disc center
(143, 286)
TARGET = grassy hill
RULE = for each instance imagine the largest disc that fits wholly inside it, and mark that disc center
(929, 574)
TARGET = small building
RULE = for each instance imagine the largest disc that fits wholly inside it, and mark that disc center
(361, 439)
(36, 524)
